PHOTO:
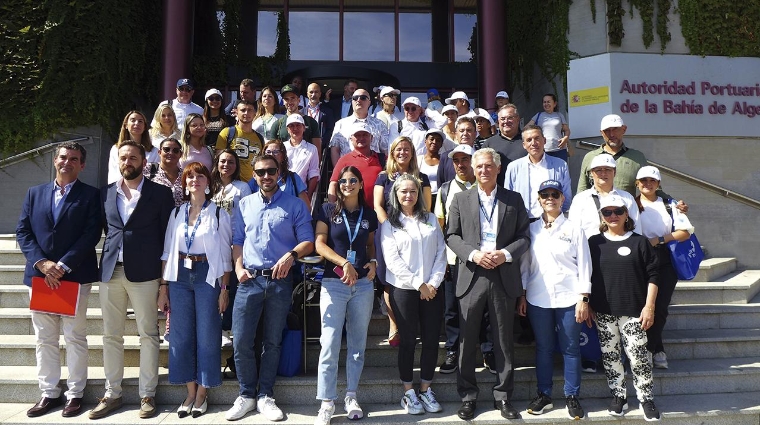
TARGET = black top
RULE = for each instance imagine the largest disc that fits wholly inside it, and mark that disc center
(337, 236)
(509, 150)
(387, 184)
(622, 271)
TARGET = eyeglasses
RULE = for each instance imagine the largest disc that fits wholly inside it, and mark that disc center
(261, 172)
(167, 149)
(272, 151)
(546, 195)
(617, 211)
(352, 180)
(215, 99)
(185, 89)
(360, 97)
(410, 108)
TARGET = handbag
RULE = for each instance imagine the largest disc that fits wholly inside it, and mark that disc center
(687, 255)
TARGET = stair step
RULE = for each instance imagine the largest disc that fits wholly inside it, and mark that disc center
(12, 274)
(16, 257)
(711, 269)
(714, 316)
(18, 321)
(735, 288)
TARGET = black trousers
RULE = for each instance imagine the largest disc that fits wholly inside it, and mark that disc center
(666, 284)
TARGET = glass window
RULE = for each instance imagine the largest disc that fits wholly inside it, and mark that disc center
(314, 35)
(368, 36)
(266, 37)
(463, 27)
(415, 37)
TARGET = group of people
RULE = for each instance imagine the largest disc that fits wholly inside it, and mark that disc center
(208, 225)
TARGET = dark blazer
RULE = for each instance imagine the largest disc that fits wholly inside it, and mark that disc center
(336, 105)
(71, 239)
(326, 120)
(463, 236)
(142, 235)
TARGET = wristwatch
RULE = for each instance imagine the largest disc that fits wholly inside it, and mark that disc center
(661, 239)
(584, 299)
(294, 254)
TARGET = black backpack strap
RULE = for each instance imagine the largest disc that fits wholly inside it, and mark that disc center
(293, 182)
(217, 216)
(400, 125)
(153, 171)
(443, 193)
(382, 158)
(231, 133)
(176, 211)
(423, 124)
(598, 205)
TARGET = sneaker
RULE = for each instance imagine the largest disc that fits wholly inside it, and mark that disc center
(269, 409)
(489, 361)
(660, 360)
(105, 406)
(325, 415)
(226, 339)
(541, 403)
(574, 409)
(147, 407)
(429, 403)
(353, 410)
(588, 366)
(450, 364)
(651, 412)
(411, 404)
(618, 406)
(240, 408)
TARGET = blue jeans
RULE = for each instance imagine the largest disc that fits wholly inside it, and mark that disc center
(545, 321)
(339, 304)
(195, 346)
(272, 296)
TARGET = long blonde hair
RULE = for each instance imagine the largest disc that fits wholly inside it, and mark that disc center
(392, 167)
(155, 129)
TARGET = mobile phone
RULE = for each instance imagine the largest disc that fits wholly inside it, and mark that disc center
(338, 270)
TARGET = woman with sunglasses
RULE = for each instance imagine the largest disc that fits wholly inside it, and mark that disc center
(345, 238)
(132, 128)
(164, 125)
(193, 141)
(556, 276)
(661, 222)
(623, 293)
(415, 255)
(289, 181)
(215, 118)
(167, 171)
(197, 262)
(267, 114)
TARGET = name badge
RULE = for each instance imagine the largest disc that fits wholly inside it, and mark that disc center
(188, 263)
(351, 256)
(489, 237)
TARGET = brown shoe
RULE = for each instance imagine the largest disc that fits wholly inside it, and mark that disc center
(73, 407)
(43, 406)
(147, 407)
(105, 406)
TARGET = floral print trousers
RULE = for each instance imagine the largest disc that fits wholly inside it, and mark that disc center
(618, 333)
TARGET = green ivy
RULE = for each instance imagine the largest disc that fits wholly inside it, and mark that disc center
(721, 27)
(615, 14)
(646, 12)
(663, 10)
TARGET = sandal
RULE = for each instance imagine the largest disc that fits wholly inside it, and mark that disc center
(394, 339)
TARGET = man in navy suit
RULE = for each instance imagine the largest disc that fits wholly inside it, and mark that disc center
(135, 212)
(57, 232)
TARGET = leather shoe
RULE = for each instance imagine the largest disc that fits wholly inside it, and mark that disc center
(43, 406)
(72, 408)
(467, 411)
(506, 409)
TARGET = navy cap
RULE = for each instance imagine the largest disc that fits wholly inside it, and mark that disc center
(185, 82)
(550, 184)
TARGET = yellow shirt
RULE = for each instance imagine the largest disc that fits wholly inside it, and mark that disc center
(247, 146)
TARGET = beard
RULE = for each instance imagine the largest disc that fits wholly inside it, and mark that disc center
(131, 173)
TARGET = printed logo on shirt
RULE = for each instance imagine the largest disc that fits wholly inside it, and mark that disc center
(624, 251)
(365, 224)
(243, 148)
(338, 220)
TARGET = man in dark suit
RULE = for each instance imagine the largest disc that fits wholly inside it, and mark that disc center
(135, 212)
(57, 232)
(342, 107)
(488, 231)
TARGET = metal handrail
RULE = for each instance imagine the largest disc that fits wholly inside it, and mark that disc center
(680, 175)
(38, 151)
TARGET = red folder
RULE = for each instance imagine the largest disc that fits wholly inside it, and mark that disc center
(64, 300)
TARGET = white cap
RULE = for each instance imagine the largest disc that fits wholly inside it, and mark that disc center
(212, 92)
(482, 113)
(502, 94)
(435, 131)
(610, 121)
(611, 201)
(602, 160)
(648, 171)
(463, 148)
(294, 118)
(413, 100)
(456, 95)
(378, 88)
(357, 127)
(448, 108)
(388, 89)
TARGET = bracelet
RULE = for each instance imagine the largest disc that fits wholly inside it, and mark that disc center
(344, 264)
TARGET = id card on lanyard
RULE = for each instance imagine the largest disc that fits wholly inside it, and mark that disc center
(488, 235)
(188, 263)
(351, 254)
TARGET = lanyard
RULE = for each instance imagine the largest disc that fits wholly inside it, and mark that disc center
(352, 238)
(189, 240)
(483, 210)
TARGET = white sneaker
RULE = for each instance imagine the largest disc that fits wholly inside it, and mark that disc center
(226, 339)
(660, 360)
(240, 408)
(269, 409)
(325, 415)
(353, 410)
(411, 404)
(429, 402)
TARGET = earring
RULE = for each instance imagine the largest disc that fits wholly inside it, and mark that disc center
(187, 191)
(207, 190)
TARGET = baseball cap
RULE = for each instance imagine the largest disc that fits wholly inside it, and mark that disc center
(648, 171)
(502, 94)
(482, 113)
(212, 92)
(466, 149)
(294, 118)
(185, 82)
(435, 131)
(611, 201)
(610, 121)
(448, 108)
(455, 96)
(357, 127)
(289, 88)
(603, 160)
(387, 90)
(550, 184)
(432, 93)
(413, 100)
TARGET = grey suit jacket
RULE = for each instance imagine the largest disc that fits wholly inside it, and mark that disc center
(463, 236)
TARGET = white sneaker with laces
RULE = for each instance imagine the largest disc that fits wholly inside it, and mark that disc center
(226, 339)
(269, 409)
(240, 408)
(411, 404)
(353, 410)
(325, 415)
(429, 403)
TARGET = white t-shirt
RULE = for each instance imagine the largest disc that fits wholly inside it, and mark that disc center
(551, 126)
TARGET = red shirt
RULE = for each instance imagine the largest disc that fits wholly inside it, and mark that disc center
(369, 167)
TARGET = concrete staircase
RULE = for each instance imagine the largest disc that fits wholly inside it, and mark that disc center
(712, 339)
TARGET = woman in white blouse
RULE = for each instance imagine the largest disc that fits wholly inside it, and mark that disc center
(197, 260)
(556, 277)
(661, 222)
(415, 257)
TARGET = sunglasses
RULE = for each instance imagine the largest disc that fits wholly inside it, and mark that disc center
(410, 108)
(215, 99)
(167, 149)
(185, 89)
(352, 180)
(272, 151)
(546, 195)
(261, 172)
(360, 97)
(617, 211)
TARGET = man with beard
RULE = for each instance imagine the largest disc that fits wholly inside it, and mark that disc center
(136, 212)
(271, 230)
(242, 138)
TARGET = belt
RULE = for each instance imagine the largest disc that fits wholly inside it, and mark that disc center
(260, 272)
(196, 258)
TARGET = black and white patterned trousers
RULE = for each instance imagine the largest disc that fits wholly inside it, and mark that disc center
(618, 333)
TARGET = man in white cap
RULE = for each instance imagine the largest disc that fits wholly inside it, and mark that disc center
(462, 103)
(303, 158)
(389, 113)
(502, 98)
(369, 162)
(413, 125)
(484, 126)
(291, 98)
(340, 144)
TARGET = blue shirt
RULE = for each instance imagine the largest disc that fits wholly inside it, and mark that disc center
(337, 235)
(292, 185)
(59, 195)
(268, 230)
